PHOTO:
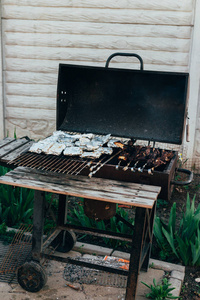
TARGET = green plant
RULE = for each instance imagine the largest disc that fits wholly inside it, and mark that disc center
(79, 218)
(161, 203)
(165, 250)
(5, 235)
(3, 170)
(16, 205)
(160, 291)
(3, 228)
(184, 242)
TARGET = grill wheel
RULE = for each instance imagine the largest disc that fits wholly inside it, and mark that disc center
(31, 276)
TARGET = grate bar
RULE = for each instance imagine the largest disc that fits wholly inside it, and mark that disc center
(81, 167)
(66, 164)
(16, 250)
(41, 162)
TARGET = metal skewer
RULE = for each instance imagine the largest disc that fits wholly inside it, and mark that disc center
(142, 168)
(126, 167)
(134, 167)
(98, 163)
(87, 165)
(117, 166)
(102, 164)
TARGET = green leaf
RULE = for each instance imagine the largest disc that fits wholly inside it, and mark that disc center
(170, 238)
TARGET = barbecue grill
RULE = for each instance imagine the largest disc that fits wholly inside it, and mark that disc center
(130, 104)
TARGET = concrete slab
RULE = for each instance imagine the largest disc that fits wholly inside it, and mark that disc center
(56, 288)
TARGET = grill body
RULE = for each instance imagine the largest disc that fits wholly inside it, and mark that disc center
(144, 105)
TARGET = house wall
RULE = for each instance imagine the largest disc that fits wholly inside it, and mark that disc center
(1, 92)
(38, 35)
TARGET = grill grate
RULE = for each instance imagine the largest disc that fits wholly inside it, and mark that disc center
(52, 163)
(61, 164)
(14, 255)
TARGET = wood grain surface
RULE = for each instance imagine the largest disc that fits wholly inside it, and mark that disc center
(132, 194)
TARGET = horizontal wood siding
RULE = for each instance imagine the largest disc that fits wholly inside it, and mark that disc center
(183, 5)
(38, 35)
(1, 94)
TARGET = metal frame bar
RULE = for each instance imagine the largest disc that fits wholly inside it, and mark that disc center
(38, 224)
(141, 240)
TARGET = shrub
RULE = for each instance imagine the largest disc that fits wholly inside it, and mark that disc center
(184, 242)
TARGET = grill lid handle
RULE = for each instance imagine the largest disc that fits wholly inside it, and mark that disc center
(190, 178)
(125, 54)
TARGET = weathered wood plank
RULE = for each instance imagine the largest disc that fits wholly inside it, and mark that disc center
(30, 113)
(126, 16)
(85, 28)
(80, 186)
(12, 146)
(102, 42)
(183, 5)
(35, 90)
(30, 102)
(90, 55)
(6, 141)
(31, 77)
(14, 154)
(37, 65)
(84, 180)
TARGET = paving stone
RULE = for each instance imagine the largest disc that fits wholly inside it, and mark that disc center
(71, 254)
(148, 277)
(91, 249)
(121, 254)
(158, 264)
(177, 275)
(177, 284)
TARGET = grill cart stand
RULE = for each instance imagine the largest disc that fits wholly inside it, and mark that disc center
(31, 275)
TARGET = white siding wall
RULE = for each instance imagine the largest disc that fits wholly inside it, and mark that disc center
(1, 92)
(38, 35)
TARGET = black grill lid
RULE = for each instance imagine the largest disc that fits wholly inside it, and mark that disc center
(147, 105)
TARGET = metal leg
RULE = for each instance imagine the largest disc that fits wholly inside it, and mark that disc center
(149, 236)
(136, 253)
(62, 210)
(38, 224)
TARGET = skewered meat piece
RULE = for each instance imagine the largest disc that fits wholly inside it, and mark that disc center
(159, 162)
(120, 145)
(123, 156)
(166, 155)
(148, 150)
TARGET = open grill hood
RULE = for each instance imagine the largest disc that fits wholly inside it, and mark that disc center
(145, 105)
